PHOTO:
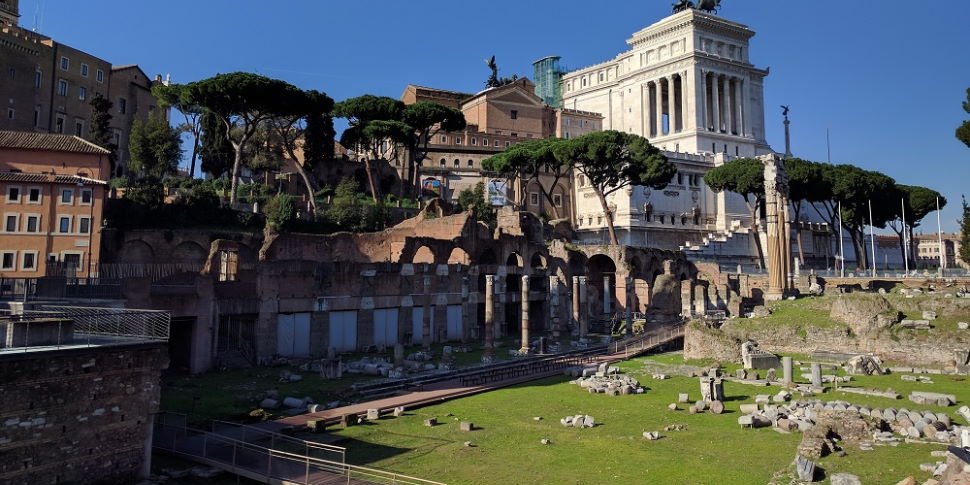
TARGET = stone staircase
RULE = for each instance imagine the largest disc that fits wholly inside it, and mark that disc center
(713, 242)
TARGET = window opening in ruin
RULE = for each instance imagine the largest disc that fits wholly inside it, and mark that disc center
(228, 265)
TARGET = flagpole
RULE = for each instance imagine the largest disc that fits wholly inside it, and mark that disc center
(939, 232)
(841, 243)
(902, 202)
(872, 239)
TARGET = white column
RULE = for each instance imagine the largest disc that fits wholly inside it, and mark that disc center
(645, 116)
(699, 98)
(606, 294)
(660, 108)
(671, 104)
(715, 102)
(728, 105)
(742, 108)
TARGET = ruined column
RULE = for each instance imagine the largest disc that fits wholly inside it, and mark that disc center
(606, 294)
(426, 317)
(576, 305)
(776, 191)
(554, 307)
(786, 369)
(583, 309)
(464, 309)
(524, 348)
(489, 319)
(816, 375)
(629, 305)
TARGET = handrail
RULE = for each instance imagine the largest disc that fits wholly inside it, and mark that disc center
(309, 462)
(278, 436)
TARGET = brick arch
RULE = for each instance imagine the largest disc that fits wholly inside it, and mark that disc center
(189, 252)
(137, 251)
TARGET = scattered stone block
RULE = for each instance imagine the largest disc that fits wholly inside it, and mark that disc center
(717, 407)
(373, 414)
(844, 479)
(399, 411)
(316, 425)
(545, 441)
(929, 315)
(683, 398)
(468, 444)
(805, 469)
(466, 426)
(269, 404)
(963, 325)
(672, 406)
(349, 419)
(652, 435)
(431, 422)
(749, 408)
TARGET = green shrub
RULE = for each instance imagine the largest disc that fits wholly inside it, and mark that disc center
(280, 212)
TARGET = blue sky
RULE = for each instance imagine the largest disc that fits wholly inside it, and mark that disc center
(887, 78)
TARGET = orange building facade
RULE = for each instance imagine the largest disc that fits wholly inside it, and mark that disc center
(52, 193)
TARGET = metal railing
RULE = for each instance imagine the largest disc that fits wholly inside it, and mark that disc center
(265, 464)
(79, 326)
(281, 442)
(643, 343)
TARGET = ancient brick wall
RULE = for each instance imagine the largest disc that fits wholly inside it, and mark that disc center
(78, 416)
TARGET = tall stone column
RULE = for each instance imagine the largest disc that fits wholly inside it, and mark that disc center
(426, 317)
(671, 104)
(645, 119)
(742, 117)
(465, 310)
(606, 294)
(728, 105)
(554, 291)
(525, 315)
(776, 197)
(630, 295)
(660, 108)
(716, 102)
(576, 305)
(583, 309)
(489, 355)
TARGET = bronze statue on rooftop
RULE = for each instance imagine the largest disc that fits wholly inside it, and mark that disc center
(494, 81)
(682, 5)
(710, 6)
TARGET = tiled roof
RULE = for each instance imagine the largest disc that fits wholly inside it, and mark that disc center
(36, 178)
(50, 142)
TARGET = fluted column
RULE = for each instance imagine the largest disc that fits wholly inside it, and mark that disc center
(576, 305)
(426, 317)
(671, 105)
(583, 309)
(606, 294)
(715, 102)
(728, 105)
(525, 315)
(742, 108)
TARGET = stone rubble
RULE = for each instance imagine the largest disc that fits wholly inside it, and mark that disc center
(614, 385)
(578, 421)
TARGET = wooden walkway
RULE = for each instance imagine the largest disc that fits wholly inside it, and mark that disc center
(497, 378)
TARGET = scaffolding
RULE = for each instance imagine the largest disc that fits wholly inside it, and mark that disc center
(548, 78)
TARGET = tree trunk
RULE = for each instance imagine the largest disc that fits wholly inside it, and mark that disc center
(552, 205)
(609, 217)
(370, 181)
(236, 164)
(309, 186)
(195, 155)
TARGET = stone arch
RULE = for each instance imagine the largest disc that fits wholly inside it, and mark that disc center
(514, 259)
(189, 252)
(601, 274)
(538, 261)
(423, 255)
(459, 256)
(137, 251)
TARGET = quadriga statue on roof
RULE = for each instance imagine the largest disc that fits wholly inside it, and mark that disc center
(705, 5)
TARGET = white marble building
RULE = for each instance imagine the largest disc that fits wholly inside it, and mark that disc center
(687, 85)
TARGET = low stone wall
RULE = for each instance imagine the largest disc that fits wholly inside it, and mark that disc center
(79, 416)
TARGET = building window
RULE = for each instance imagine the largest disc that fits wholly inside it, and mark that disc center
(13, 195)
(67, 196)
(485, 142)
(84, 225)
(33, 195)
(457, 140)
(61, 87)
(86, 196)
(533, 198)
(64, 224)
(457, 163)
(84, 70)
(680, 178)
(122, 105)
(515, 114)
(471, 163)
(11, 222)
(228, 265)
(442, 162)
(59, 124)
(38, 78)
(36, 116)
(11, 113)
(474, 141)
(496, 143)
(444, 139)
(32, 223)
(79, 128)
(100, 76)
(663, 219)
(82, 93)
(557, 200)
(29, 261)
(508, 144)
(8, 260)
(65, 63)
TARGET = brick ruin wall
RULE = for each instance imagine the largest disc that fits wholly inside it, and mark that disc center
(78, 416)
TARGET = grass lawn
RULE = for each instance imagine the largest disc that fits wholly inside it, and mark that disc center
(712, 450)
